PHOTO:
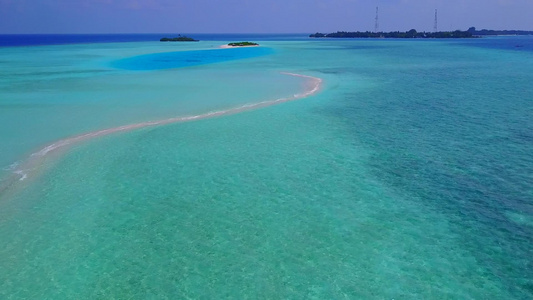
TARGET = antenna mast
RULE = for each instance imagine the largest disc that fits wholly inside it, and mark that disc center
(376, 25)
(435, 24)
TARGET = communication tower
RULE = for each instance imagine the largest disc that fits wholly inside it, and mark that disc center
(376, 25)
(435, 24)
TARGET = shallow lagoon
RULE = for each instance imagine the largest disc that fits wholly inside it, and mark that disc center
(408, 176)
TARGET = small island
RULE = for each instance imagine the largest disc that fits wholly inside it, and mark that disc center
(242, 44)
(178, 39)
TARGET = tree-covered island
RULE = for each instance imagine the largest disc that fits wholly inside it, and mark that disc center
(411, 34)
(242, 44)
(483, 32)
(178, 39)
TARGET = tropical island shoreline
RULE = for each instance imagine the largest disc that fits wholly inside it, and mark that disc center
(413, 34)
(180, 38)
(239, 44)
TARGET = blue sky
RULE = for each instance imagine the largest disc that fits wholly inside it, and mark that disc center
(257, 16)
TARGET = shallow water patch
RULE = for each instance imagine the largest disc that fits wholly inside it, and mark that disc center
(181, 59)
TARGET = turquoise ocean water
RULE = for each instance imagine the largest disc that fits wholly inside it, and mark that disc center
(409, 175)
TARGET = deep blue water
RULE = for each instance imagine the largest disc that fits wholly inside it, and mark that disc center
(14, 40)
(179, 59)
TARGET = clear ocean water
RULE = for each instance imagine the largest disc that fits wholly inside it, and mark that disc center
(408, 176)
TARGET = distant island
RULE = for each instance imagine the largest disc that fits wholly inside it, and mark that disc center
(242, 44)
(483, 32)
(178, 39)
(411, 34)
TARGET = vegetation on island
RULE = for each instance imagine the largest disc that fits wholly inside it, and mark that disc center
(180, 38)
(498, 32)
(411, 34)
(242, 44)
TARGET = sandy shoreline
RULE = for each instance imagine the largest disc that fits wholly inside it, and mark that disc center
(25, 169)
